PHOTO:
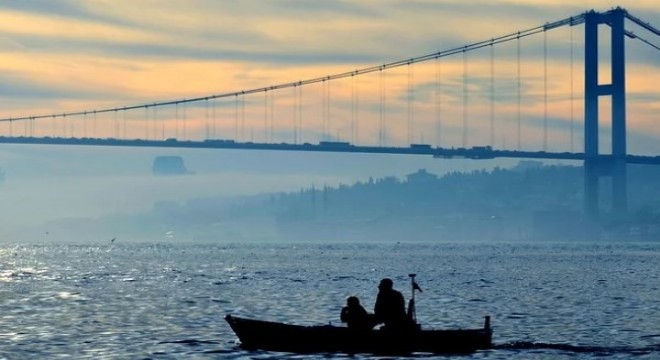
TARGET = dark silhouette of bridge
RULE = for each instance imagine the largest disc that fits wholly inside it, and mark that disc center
(596, 163)
(474, 153)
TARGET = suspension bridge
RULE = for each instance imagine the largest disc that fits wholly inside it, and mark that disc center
(534, 94)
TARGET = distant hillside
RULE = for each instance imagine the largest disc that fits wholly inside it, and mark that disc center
(529, 201)
(523, 202)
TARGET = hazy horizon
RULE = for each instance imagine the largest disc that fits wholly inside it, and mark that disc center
(45, 183)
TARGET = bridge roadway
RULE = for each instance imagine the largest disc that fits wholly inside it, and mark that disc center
(476, 153)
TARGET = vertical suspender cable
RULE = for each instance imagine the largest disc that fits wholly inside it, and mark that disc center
(300, 112)
(381, 132)
(352, 137)
(492, 94)
(327, 111)
(243, 116)
(155, 122)
(408, 122)
(519, 89)
(324, 135)
(269, 115)
(409, 103)
(236, 127)
(207, 125)
(572, 92)
(214, 124)
(545, 90)
(162, 127)
(412, 104)
(146, 122)
(295, 114)
(266, 116)
(353, 110)
(84, 124)
(183, 120)
(237, 118)
(115, 128)
(438, 102)
(465, 98)
(272, 116)
(176, 120)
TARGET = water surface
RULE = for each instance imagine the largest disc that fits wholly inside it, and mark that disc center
(167, 301)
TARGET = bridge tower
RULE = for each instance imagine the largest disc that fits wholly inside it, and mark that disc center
(595, 165)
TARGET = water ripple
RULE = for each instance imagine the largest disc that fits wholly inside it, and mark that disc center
(141, 301)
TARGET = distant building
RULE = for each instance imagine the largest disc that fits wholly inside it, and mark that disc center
(169, 165)
(421, 176)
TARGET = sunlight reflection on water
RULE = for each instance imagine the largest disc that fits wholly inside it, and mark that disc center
(159, 300)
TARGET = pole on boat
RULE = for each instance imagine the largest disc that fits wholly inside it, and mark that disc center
(412, 312)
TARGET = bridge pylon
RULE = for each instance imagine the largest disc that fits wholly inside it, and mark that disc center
(596, 165)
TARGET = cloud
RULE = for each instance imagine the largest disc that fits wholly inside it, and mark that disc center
(92, 54)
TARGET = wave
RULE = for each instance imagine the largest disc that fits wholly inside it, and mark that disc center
(190, 342)
(588, 349)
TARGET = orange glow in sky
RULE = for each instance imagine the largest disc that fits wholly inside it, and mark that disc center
(87, 55)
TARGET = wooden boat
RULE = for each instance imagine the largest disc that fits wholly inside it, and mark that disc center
(275, 336)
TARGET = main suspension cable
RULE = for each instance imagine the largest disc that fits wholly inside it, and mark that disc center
(439, 54)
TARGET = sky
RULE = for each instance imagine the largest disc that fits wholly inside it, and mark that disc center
(74, 55)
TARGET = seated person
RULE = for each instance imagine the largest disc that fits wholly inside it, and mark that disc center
(355, 316)
(390, 307)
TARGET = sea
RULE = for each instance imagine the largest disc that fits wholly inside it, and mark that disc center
(124, 300)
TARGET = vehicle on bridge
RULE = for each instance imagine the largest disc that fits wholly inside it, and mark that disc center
(420, 146)
(335, 143)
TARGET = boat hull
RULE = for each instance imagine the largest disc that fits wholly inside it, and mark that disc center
(274, 336)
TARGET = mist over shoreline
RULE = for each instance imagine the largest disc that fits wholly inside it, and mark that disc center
(59, 195)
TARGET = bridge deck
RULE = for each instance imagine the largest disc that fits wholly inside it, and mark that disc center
(476, 153)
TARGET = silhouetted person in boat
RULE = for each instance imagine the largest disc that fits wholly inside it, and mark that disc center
(355, 316)
(390, 307)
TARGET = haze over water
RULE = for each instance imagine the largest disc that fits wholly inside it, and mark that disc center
(164, 301)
